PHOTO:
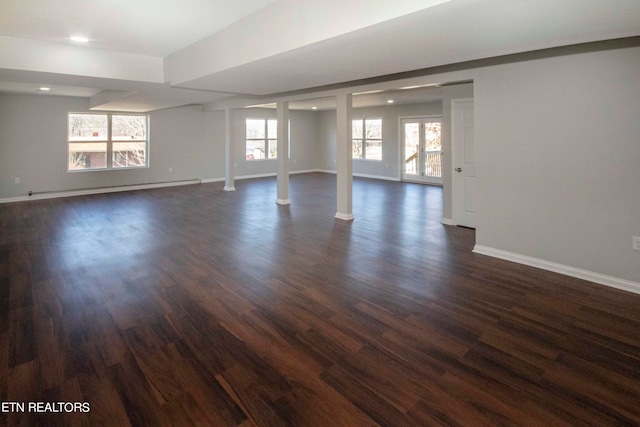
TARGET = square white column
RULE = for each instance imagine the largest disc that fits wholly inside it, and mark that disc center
(229, 156)
(344, 162)
(283, 153)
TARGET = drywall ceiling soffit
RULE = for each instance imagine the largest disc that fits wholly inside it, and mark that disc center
(105, 94)
(140, 27)
(450, 33)
(43, 77)
(58, 58)
(32, 88)
(284, 26)
(147, 99)
(375, 99)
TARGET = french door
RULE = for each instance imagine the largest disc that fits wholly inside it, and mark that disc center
(422, 150)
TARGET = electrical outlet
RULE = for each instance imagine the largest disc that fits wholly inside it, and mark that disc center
(636, 243)
(16, 180)
(170, 170)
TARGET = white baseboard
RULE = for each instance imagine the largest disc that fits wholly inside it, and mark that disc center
(209, 180)
(261, 175)
(364, 175)
(602, 279)
(345, 217)
(382, 177)
(447, 221)
(100, 190)
(270, 174)
(258, 175)
(303, 171)
(16, 199)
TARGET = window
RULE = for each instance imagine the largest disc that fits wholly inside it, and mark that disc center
(366, 136)
(262, 139)
(107, 141)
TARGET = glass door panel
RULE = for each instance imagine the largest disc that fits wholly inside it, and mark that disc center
(432, 150)
(412, 148)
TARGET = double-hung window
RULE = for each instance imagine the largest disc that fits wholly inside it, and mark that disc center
(107, 141)
(262, 139)
(366, 136)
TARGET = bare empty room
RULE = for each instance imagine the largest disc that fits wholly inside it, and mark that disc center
(275, 212)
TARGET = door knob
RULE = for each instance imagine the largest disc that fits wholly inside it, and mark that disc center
(458, 169)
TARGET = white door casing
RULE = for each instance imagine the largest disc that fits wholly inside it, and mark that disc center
(463, 161)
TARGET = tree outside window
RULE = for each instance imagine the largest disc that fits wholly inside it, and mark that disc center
(107, 141)
(261, 139)
(366, 137)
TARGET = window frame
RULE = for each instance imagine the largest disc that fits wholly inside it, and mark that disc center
(266, 140)
(364, 139)
(110, 141)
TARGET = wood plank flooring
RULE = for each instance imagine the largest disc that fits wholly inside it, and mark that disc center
(195, 306)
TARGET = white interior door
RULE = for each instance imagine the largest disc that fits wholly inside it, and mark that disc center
(422, 150)
(463, 160)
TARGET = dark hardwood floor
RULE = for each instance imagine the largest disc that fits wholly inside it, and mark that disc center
(194, 306)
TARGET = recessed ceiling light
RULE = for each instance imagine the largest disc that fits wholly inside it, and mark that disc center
(45, 89)
(80, 39)
(314, 108)
(390, 101)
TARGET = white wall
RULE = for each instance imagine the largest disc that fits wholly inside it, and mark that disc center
(33, 142)
(389, 167)
(558, 160)
(33, 147)
(214, 131)
(304, 140)
(326, 140)
(181, 139)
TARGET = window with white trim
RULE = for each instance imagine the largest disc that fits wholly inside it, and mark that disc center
(261, 139)
(366, 135)
(107, 141)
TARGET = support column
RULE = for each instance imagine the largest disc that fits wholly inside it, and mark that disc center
(344, 163)
(229, 156)
(283, 153)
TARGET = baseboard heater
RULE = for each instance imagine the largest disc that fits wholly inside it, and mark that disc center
(113, 189)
